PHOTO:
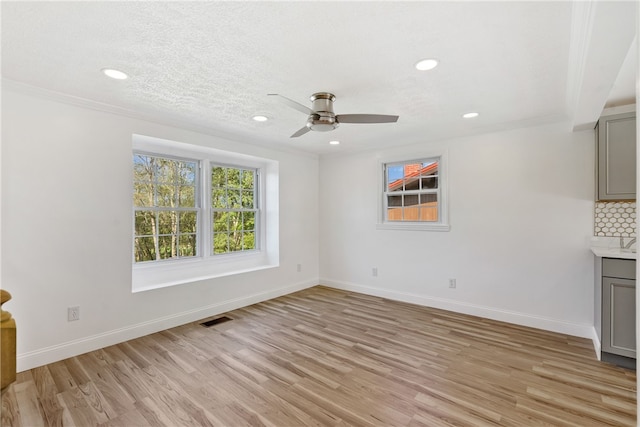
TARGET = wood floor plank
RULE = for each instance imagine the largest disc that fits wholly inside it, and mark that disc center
(323, 357)
(10, 410)
(48, 395)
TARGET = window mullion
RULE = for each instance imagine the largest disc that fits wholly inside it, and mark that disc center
(206, 216)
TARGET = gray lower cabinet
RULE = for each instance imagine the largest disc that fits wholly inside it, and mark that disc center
(616, 165)
(619, 307)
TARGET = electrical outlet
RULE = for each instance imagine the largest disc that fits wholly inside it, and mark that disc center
(374, 271)
(299, 268)
(73, 313)
(452, 283)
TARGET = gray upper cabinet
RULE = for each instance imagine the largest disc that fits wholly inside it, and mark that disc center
(616, 163)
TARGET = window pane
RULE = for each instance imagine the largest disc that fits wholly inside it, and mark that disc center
(167, 222)
(394, 178)
(167, 246)
(249, 241)
(411, 199)
(166, 196)
(233, 178)
(188, 222)
(428, 198)
(248, 221)
(144, 249)
(248, 179)
(166, 170)
(233, 199)
(247, 199)
(220, 243)
(429, 182)
(220, 221)
(429, 168)
(219, 198)
(218, 177)
(187, 173)
(235, 221)
(145, 222)
(412, 169)
(187, 245)
(394, 214)
(429, 213)
(186, 196)
(235, 241)
(142, 194)
(412, 183)
(394, 201)
(142, 168)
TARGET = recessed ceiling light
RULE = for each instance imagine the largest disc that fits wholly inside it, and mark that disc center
(260, 118)
(114, 74)
(334, 142)
(427, 64)
(470, 115)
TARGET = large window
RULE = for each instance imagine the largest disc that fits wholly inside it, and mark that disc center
(200, 213)
(166, 209)
(413, 194)
(165, 204)
(234, 209)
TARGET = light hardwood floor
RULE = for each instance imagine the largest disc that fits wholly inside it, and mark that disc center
(328, 357)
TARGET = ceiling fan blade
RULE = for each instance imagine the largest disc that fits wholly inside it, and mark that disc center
(300, 132)
(366, 118)
(293, 104)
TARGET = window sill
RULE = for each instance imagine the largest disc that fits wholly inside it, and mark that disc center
(413, 226)
(146, 277)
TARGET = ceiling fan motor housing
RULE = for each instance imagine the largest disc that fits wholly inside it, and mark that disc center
(325, 119)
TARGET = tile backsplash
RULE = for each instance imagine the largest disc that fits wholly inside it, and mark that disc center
(615, 219)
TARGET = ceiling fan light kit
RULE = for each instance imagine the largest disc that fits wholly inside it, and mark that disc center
(322, 118)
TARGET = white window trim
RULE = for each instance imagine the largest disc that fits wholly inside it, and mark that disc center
(443, 182)
(155, 275)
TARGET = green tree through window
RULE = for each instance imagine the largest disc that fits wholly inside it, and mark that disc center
(165, 208)
(234, 209)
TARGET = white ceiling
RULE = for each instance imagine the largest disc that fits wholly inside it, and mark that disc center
(209, 65)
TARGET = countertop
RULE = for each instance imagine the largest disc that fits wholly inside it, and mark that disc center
(612, 253)
(609, 247)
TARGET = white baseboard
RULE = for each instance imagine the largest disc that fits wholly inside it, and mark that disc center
(548, 324)
(68, 349)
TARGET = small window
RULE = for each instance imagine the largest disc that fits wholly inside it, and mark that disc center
(412, 191)
(413, 196)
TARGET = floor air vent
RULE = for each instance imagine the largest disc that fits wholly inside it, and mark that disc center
(217, 321)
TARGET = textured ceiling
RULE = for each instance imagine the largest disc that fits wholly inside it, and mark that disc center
(211, 64)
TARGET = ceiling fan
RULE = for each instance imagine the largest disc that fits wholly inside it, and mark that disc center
(323, 119)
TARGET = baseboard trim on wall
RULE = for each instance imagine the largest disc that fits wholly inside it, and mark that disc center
(539, 322)
(68, 349)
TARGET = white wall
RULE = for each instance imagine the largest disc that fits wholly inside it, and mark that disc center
(521, 214)
(66, 222)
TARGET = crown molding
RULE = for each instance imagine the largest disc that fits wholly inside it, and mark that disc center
(582, 18)
(157, 118)
(602, 33)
